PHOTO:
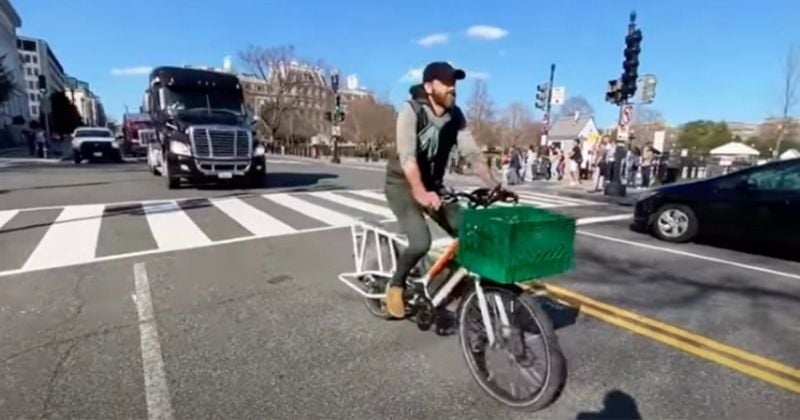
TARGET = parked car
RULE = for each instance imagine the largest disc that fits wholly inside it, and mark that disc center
(760, 204)
(95, 143)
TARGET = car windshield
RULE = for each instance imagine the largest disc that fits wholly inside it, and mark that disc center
(93, 133)
(189, 100)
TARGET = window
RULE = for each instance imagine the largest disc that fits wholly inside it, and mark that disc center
(28, 71)
(36, 72)
(786, 178)
(93, 133)
(34, 110)
(35, 58)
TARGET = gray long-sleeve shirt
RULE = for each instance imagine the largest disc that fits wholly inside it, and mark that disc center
(410, 144)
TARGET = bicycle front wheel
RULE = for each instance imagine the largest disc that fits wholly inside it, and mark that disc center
(524, 368)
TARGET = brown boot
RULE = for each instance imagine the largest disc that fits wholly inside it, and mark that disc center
(394, 302)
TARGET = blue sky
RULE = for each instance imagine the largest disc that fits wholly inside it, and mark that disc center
(714, 59)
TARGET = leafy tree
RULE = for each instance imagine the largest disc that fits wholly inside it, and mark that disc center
(703, 135)
(64, 116)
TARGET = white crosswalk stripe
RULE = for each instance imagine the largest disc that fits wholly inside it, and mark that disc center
(72, 238)
(257, 222)
(172, 228)
(85, 233)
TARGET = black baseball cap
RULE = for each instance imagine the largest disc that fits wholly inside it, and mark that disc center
(443, 72)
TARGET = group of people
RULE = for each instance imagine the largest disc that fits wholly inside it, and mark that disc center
(577, 163)
(550, 162)
(636, 168)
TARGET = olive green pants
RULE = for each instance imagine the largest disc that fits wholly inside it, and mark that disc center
(411, 218)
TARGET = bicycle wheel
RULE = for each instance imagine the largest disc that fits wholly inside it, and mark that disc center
(370, 284)
(529, 324)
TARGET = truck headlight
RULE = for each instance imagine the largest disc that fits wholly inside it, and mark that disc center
(259, 150)
(179, 148)
(115, 144)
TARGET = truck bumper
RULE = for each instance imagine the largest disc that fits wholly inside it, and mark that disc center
(196, 170)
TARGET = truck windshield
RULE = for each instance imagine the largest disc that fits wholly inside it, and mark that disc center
(190, 100)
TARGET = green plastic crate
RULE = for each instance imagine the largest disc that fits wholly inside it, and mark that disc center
(516, 244)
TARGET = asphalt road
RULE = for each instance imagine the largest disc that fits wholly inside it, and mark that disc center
(227, 306)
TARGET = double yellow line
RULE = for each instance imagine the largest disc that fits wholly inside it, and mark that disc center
(756, 366)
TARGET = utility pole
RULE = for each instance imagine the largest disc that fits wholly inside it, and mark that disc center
(336, 117)
(544, 98)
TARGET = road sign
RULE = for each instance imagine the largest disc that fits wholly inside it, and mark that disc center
(625, 115)
(559, 92)
(647, 85)
(336, 130)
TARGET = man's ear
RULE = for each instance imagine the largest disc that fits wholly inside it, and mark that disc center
(428, 86)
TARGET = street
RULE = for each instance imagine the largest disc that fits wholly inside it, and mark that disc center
(123, 299)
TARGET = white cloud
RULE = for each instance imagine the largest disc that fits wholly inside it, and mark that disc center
(131, 71)
(433, 39)
(486, 32)
(413, 75)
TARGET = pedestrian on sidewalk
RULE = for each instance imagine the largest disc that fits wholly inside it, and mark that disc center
(647, 165)
(575, 160)
(600, 156)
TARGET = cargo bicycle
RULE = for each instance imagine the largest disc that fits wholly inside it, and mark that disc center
(497, 321)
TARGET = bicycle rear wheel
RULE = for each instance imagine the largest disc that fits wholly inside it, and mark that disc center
(511, 355)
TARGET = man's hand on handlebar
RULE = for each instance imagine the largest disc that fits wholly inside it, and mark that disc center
(428, 199)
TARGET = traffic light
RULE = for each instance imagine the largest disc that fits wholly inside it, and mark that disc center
(631, 64)
(613, 94)
(335, 82)
(42, 84)
(541, 95)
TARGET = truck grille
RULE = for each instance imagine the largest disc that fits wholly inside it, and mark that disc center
(220, 143)
(147, 135)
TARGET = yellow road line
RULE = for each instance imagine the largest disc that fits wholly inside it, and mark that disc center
(715, 345)
(764, 369)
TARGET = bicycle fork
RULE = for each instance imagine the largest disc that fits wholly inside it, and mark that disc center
(483, 305)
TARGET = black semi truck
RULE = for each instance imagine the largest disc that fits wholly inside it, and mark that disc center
(202, 128)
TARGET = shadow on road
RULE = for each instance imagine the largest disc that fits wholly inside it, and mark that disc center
(134, 209)
(47, 187)
(296, 179)
(617, 405)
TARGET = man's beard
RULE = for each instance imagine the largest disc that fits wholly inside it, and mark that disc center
(445, 99)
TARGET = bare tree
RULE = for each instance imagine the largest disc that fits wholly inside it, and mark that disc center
(577, 104)
(481, 115)
(287, 91)
(370, 122)
(789, 97)
(517, 125)
(646, 122)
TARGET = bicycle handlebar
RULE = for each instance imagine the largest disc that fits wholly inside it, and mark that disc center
(481, 196)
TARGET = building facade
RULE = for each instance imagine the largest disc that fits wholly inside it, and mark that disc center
(38, 58)
(17, 105)
(301, 85)
(87, 103)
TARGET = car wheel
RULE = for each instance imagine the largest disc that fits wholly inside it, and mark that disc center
(675, 223)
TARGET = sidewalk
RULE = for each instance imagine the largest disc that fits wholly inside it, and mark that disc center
(581, 191)
(20, 154)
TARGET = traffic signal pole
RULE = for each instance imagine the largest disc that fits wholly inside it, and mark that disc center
(544, 97)
(336, 128)
(619, 93)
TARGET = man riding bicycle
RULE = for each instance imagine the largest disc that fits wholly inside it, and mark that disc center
(428, 127)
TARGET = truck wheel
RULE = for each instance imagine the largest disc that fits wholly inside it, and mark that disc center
(76, 157)
(172, 182)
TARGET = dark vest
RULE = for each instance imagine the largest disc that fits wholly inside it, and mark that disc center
(433, 151)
